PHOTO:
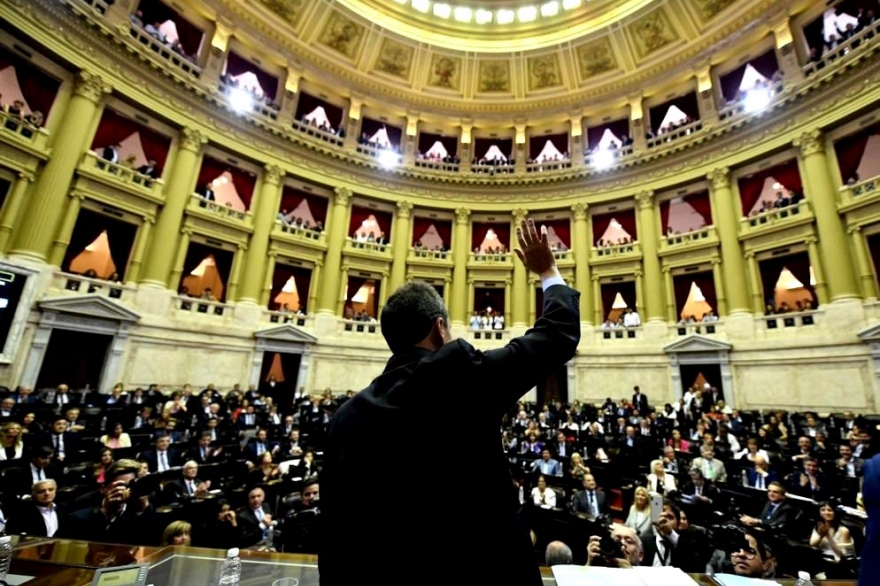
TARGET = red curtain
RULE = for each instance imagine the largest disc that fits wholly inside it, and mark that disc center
(484, 297)
(190, 35)
(561, 227)
(384, 219)
(371, 127)
(427, 140)
(664, 214)
(600, 225)
(280, 277)
(620, 129)
(38, 88)
(302, 277)
(236, 65)
(682, 287)
(627, 221)
(765, 64)
(114, 128)
(481, 146)
(851, 149)
(421, 225)
(536, 143)
(702, 204)
(318, 205)
(480, 229)
(358, 215)
(290, 199)
(243, 181)
(686, 103)
(874, 248)
(798, 264)
(307, 103)
(354, 285)
(750, 187)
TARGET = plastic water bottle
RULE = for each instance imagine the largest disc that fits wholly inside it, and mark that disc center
(230, 573)
(5, 555)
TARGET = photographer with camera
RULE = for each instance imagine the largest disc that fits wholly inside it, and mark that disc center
(619, 548)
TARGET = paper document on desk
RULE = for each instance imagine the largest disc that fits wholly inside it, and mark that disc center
(567, 575)
(734, 580)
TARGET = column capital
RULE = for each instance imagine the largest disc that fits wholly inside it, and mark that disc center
(149, 219)
(580, 210)
(853, 229)
(645, 199)
(319, 263)
(26, 176)
(343, 195)
(749, 254)
(719, 178)
(595, 278)
(812, 239)
(192, 139)
(241, 246)
(273, 174)
(520, 214)
(715, 261)
(78, 195)
(90, 86)
(666, 269)
(273, 254)
(404, 209)
(811, 142)
(638, 273)
(187, 231)
(462, 215)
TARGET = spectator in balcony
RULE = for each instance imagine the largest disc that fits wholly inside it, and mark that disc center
(631, 318)
(153, 31)
(137, 19)
(149, 169)
(35, 119)
(206, 192)
(111, 153)
(16, 109)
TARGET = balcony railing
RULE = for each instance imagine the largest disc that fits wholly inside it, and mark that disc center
(121, 173)
(492, 169)
(548, 166)
(857, 42)
(675, 134)
(490, 259)
(693, 237)
(437, 255)
(708, 328)
(285, 317)
(363, 245)
(631, 249)
(386, 156)
(437, 165)
(488, 334)
(219, 210)
(331, 137)
(156, 49)
(619, 333)
(774, 217)
(612, 156)
(24, 131)
(299, 232)
(788, 320)
(81, 285)
(98, 7)
(258, 106)
(738, 107)
(203, 306)
(864, 187)
(563, 255)
(360, 327)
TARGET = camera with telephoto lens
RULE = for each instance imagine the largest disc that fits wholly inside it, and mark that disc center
(609, 549)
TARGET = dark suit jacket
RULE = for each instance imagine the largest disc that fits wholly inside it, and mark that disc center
(689, 555)
(251, 533)
(753, 476)
(402, 402)
(152, 459)
(20, 480)
(709, 490)
(580, 502)
(782, 516)
(640, 402)
(870, 571)
(26, 519)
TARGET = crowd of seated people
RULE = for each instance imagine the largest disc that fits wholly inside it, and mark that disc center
(15, 110)
(782, 201)
(866, 20)
(349, 313)
(233, 470)
(256, 94)
(449, 162)
(112, 154)
(773, 308)
(206, 295)
(623, 244)
(624, 146)
(298, 223)
(738, 486)
(153, 29)
(672, 130)
(487, 319)
(708, 317)
(492, 166)
(630, 318)
(549, 163)
(439, 250)
(324, 126)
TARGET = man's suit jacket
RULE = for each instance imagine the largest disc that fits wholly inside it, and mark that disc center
(718, 467)
(580, 502)
(640, 402)
(152, 459)
(782, 516)
(20, 481)
(250, 528)
(709, 490)
(176, 489)
(689, 555)
(753, 478)
(195, 454)
(401, 403)
(26, 519)
(870, 571)
(69, 440)
(110, 154)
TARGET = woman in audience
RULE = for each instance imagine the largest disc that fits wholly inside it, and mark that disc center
(177, 404)
(752, 451)
(306, 468)
(177, 533)
(104, 460)
(570, 424)
(578, 469)
(221, 532)
(11, 443)
(266, 471)
(678, 444)
(777, 429)
(639, 517)
(116, 438)
(241, 408)
(829, 536)
(659, 480)
(29, 424)
(542, 496)
(765, 439)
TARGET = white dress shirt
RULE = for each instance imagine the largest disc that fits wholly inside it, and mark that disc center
(162, 461)
(50, 518)
(662, 557)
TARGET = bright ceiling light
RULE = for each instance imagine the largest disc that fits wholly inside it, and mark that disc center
(483, 16)
(240, 100)
(757, 99)
(527, 13)
(442, 10)
(462, 14)
(550, 9)
(570, 4)
(421, 5)
(505, 16)
(388, 159)
(603, 158)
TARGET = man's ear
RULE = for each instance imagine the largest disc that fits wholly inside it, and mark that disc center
(440, 332)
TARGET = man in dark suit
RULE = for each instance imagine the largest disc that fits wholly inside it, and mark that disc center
(590, 501)
(20, 481)
(761, 476)
(255, 519)
(161, 457)
(207, 192)
(111, 153)
(63, 442)
(39, 517)
(776, 514)
(672, 546)
(640, 401)
(810, 482)
(203, 452)
(870, 570)
(401, 403)
(188, 485)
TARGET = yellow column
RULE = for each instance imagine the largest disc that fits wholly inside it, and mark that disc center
(181, 182)
(46, 206)
(533, 301)
(756, 285)
(266, 209)
(726, 211)
(447, 290)
(383, 293)
(341, 290)
(580, 245)
(59, 244)
(470, 298)
(820, 191)
(12, 207)
(266, 295)
(640, 293)
(314, 286)
(720, 297)
(598, 318)
(180, 257)
(402, 232)
(671, 313)
(338, 222)
(137, 254)
(508, 311)
(461, 245)
(818, 273)
(235, 273)
(519, 292)
(863, 262)
(649, 240)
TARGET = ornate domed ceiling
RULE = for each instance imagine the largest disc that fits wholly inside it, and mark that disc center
(403, 56)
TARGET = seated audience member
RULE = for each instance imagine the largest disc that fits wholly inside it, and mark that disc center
(177, 533)
(7, 406)
(752, 451)
(712, 468)
(557, 553)
(265, 470)
(810, 482)
(258, 445)
(222, 531)
(639, 517)
(578, 469)
(546, 465)
(590, 501)
(542, 495)
(161, 458)
(631, 549)
(19, 481)
(11, 441)
(760, 476)
(188, 485)
(699, 491)
(204, 453)
(673, 546)
(256, 519)
(39, 517)
(116, 438)
(754, 559)
(659, 481)
(847, 464)
(306, 468)
(105, 459)
(829, 536)
(61, 440)
(124, 515)
(776, 514)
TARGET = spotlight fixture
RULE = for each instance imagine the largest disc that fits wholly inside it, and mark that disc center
(483, 16)
(603, 158)
(442, 10)
(757, 99)
(527, 13)
(505, 16)
(240, 100)
(388, 158)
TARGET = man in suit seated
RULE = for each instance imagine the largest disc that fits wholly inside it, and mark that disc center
(39, 517)
(546, 465)
(206, 192)
(61, 440)
(712, 468)
(204, 453)
(256, 519)
(188, 486)
(589, 502)
(61, 398)
(161, 457)
(698, 495)
(810, 483)
(7, 408)
(19, 481)
(761, 476)
(258, 445)
(23, 395)
(672, 546)
(776, 514)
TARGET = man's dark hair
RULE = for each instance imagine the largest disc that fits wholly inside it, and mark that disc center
(42, 452)
(312, 481)
(409, 315)
(673, 508)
